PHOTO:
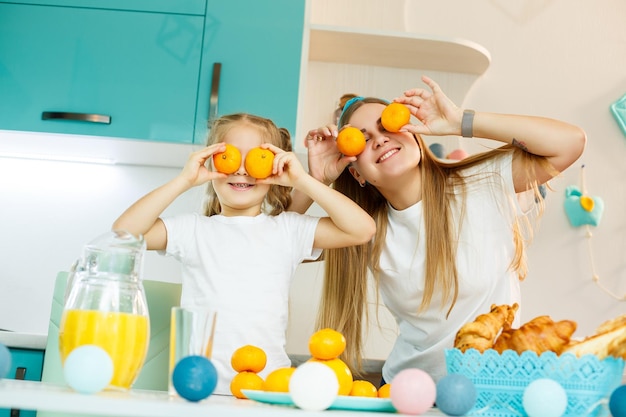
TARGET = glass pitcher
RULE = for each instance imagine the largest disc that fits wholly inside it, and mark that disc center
(105, 305)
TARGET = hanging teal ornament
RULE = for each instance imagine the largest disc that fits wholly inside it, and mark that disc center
(582, 209)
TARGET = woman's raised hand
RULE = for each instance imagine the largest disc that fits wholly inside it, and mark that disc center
(326, 163)
(438, 114)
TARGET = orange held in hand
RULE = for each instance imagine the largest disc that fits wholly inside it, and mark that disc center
(342, 371)
(278, 380)
(259, 163)
(229, 161)
(362, 388)
(394, 116)
(245, 380)
(326, 344)
(350, 141)
(248, 358)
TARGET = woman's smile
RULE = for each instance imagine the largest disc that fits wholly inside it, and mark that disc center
(387, 155)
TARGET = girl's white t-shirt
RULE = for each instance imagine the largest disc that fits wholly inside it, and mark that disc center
(484, 253)
(242, 268)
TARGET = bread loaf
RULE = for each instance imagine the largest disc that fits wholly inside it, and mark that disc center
(609, 340)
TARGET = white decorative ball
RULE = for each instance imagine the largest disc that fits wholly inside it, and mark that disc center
(313, 386)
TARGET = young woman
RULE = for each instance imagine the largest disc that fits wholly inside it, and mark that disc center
(240, 256)
(450, 236)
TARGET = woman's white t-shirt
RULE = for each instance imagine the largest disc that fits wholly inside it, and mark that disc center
(242, 268)
(485, 251)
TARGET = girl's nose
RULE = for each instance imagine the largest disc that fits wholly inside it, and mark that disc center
(242, 168)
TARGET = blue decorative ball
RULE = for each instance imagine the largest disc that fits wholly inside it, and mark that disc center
(194, 378)
(88, 369)
(544, 398)
(438, 150)
(617, 403)
(456, 395)
(5, 361)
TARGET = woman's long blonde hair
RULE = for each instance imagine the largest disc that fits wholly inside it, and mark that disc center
(279, 197)
(343, 304)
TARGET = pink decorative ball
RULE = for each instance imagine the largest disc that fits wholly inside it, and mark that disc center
(413, 391)
(457, 154)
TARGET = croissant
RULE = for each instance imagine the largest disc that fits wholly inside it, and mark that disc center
(482, 332)
(539, 335)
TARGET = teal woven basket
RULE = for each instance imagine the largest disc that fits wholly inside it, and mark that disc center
(500, 379)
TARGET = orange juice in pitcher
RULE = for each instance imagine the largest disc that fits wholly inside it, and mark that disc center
(106, 305)
(123, 336)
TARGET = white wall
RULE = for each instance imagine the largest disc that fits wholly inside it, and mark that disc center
(49, 210)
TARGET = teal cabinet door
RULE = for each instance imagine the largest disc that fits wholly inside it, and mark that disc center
(26, 364)
(139, 69)
(259, 47)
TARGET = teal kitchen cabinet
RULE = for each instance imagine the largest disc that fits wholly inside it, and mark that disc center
(131, 74)
(145, 69)
(26, 364)
(259, 46)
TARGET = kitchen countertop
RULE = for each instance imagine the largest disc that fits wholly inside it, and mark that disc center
(143, 403)
(23, 340)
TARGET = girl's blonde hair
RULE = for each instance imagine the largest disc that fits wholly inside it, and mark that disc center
(343, 304)
(279, 197)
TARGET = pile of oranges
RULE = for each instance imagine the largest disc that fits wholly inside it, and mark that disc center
(247, 361)
(325, 346)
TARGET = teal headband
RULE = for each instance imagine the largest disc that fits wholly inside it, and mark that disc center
(350, 103)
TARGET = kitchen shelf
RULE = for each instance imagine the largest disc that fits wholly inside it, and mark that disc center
(396, 49)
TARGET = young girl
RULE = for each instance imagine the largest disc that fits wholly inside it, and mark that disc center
(450, 237)
(240, 256)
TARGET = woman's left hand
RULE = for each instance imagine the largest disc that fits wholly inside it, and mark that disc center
(438, 114)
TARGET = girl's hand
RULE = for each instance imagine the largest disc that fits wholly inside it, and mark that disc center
(326, 163)
(196, 172)
(438, 114)
(286, 169)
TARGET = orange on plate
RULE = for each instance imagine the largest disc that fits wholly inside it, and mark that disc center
(341, 370)
(327, 344)
(362, 388)
(248, 358)
(259, 163)
(384, 391)
(394, 116)
(245, 380)
(350, 141)
(278, 380)
(229, 161)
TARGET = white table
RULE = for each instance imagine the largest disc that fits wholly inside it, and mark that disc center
(140, 403)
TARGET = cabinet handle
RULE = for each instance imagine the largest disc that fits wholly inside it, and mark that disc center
(81, 117)
(20, 373)
(215, 91)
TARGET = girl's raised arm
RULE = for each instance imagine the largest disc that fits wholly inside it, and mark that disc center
(142, 218)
